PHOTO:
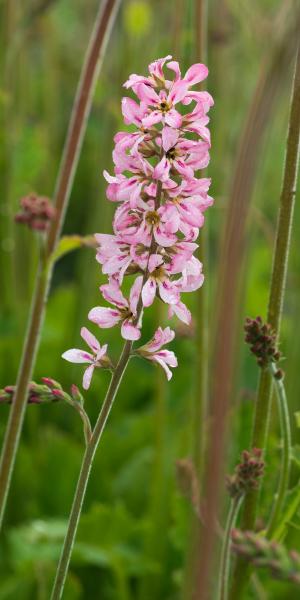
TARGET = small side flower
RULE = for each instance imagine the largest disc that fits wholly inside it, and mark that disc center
(36, 212)
(262, 340)
(153, 350)
(97, 359)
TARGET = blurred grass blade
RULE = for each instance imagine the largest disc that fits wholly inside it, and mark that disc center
(231, 257)
(81, 109)
(277, 289)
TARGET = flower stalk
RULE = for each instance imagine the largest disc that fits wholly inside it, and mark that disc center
(233, 512)
(278, 280)
(85, 472)
(70, 157)
(286, 450)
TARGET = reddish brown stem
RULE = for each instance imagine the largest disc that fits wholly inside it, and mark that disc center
(80, 112)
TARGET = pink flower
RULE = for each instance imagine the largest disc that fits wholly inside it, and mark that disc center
(159, 280)
(125, 311)
(181, 155)
(97, 359)
(188, 201)
(141, 225)
(122, 188)
(168, 93)
(152, 350)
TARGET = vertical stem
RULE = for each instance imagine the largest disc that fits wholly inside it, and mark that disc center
(77, 128)
(225, 554)
(278, 280)
(84, 475)
(200, 403)
(286, 453)
(200, 389)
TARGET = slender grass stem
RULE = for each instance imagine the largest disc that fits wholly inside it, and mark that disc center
(85, 472)
(200, 390)
(286, 453)
(225, 553)
(288, 515)
(77, 127)
(278, 280)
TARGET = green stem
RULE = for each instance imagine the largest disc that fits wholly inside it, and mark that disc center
(17, 411)
(278, 280)
(225, 554)
(200, 388)
(70, 157)
(288, 515)
(86, 466)
(286, 453)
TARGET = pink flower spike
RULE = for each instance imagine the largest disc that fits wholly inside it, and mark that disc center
(97, 359)
(152, 350)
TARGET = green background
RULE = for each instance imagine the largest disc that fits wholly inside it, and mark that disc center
(133, 536)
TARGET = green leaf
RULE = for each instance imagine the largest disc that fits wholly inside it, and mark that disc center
(68, 243)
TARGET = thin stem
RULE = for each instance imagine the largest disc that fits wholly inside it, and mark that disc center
(288, 515)
(286, 452)
(225, 554)
(202, 341)
(77, 128)
(86, 466)
(278, 279)
(200, 389)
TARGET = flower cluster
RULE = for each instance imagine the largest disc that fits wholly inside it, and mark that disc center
(284, 564)
(49, 391)
(161, 202)
(247, 473)
(262, 341)
(36, 213)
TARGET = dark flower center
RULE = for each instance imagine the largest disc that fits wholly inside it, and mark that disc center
(152, 217)
(171, 154)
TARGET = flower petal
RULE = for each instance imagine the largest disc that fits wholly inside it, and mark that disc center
(135, 293)
(162, 169)
(90, 339)
(75, 355)
(181, 311)
(129, 331)
(87, 376)
(169, 138)
(112, 293)
(167, 292)
(149, 291)
(104, 317)
(195, 74)
(161, 362)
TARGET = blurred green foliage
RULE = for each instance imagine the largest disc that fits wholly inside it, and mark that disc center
(133, 534)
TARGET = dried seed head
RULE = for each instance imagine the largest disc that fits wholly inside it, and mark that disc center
(247, 473)
(262, 341)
